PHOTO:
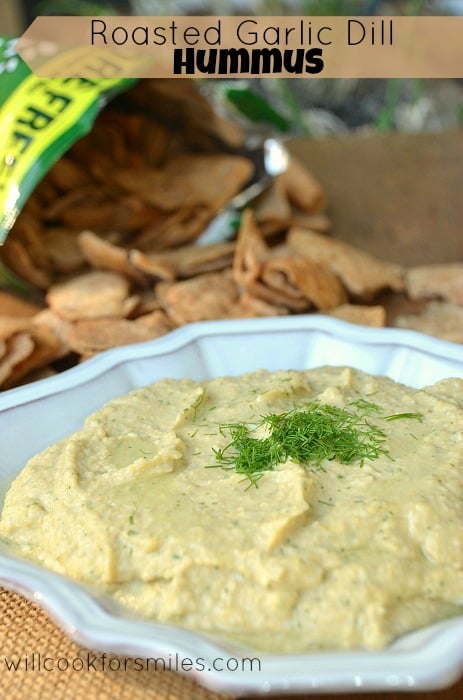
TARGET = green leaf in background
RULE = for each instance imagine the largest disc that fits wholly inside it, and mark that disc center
(254, 107)
(11, 282)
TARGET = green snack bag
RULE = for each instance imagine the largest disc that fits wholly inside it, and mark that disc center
(40, 119)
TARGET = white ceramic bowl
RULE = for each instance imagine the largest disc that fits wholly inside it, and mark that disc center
(35, 415)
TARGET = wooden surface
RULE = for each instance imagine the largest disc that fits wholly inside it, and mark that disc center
(397, 196)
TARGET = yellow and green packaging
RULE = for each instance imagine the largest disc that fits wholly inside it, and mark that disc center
(40, 119)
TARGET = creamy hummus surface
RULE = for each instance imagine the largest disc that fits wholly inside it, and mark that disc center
(313, 556)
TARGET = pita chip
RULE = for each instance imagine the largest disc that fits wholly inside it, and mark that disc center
(299, 277)
(441, 281)
(362, 274)
(439, 318)
(90, 336)
(251, 251)
(104, 255)
(93, 294)
(301, 188)
(374, 316)
(18, 348)
(206, 297)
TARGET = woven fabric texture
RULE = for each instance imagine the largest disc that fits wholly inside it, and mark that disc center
(30, 640)
(50, 666)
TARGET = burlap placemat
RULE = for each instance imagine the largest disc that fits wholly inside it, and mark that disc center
(39, 662)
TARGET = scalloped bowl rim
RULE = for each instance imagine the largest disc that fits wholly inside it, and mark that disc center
(427, 659)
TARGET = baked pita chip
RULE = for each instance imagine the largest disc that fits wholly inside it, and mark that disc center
(207, 297)
(104, 255)
(362, 274)
(109, 137)
(440, 319)
(152, 265)
(319, 223)
(46, 192)
(147, 302)
(251, 251)
(141, 140)
(12, 305)
(253, 307)
(442, 281)
(90, 336)
(298, 277)
(153, 142)
(18, 348)
(76, 198)
(10, 325)
(130, 214)
(276, 298)
(189, 261)
(56, 331)
(29, 232)
(156, 322)
(98, 217)
(301, 188)
(374, 316)
(67, 175)
(174, 229)
(179, 104)
(47, 347)
(17, 258)
(33, 207)
(185, 261)
(184, 226)
(272, 210)
(188, 181)
(63, 251)
(90, 295)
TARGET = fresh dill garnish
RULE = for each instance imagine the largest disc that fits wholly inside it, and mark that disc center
(307, 435)
(398, 416)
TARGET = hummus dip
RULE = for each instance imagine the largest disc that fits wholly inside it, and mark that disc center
(336, 556)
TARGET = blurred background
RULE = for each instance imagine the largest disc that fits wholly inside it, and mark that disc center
(317, 107)
(388, 153)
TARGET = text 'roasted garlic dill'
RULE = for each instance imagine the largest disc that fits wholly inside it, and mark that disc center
(306, 435)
